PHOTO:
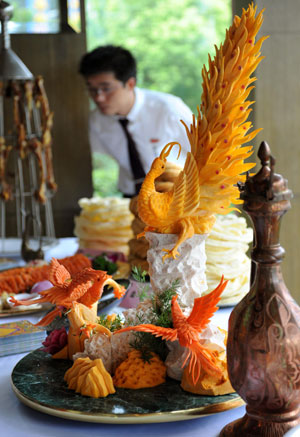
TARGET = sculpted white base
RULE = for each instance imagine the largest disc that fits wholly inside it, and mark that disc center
(189, 267)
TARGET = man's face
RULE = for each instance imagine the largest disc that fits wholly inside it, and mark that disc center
(111, 96)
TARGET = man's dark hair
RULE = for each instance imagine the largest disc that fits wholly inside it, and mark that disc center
(106, 59)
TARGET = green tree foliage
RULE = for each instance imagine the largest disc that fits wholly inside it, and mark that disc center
(171, 39)
(20, 13)
(105, 176)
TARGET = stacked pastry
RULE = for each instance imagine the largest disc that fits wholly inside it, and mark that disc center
(226, 251)
(104, 224)
(138, 247)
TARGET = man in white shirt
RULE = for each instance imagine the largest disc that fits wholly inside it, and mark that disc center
(152, 118)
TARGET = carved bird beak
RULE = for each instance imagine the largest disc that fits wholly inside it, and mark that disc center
(167, 150)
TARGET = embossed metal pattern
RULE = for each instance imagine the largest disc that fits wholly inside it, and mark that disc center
(263, 350)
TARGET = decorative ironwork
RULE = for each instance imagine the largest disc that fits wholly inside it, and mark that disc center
(26, 173)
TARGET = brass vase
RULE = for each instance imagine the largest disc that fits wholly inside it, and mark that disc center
(263, 351)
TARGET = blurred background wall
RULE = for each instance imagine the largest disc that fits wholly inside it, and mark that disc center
(277, 111)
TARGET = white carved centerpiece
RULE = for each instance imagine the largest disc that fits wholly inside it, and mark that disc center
(189, 267)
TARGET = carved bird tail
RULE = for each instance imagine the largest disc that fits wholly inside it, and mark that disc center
(201, 357)
(221, 128)
(54, 295)
(50, 317)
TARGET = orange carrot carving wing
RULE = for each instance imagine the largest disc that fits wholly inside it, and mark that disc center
(158, 331)
(186, 190)
(205, 306)
(80, 283)
(58, 274)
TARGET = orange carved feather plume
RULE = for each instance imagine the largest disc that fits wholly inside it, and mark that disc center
(221, 129)
(208, 183)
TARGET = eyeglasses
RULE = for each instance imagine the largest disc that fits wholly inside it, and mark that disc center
(105, 90)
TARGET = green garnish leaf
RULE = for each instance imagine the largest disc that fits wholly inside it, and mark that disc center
(162, 305)
(101, 262)
(138, 274)
(147, 343)
(143, 292)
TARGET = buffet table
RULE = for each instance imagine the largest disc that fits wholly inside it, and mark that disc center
(18, 420)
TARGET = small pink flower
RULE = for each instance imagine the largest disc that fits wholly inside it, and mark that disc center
(55, 341)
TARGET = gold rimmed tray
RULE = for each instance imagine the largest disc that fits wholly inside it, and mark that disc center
(37, 381)
(15, 312)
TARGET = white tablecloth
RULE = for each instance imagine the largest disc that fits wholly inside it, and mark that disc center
(18, 420)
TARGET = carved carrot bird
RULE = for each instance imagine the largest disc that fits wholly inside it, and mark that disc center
(208, 183)
(186, 331)
(85, 288)
(79, 295)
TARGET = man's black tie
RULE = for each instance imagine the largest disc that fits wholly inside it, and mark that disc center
(135, 162)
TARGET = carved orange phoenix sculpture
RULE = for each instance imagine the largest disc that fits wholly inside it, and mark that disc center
(186, 331)
(207, 184)
(86, 288)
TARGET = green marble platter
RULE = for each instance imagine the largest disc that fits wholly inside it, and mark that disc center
(38, 382)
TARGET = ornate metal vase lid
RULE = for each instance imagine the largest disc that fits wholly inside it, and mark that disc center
(263, 350)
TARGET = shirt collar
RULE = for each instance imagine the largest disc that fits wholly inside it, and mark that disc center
(134, 111)
(138, 102)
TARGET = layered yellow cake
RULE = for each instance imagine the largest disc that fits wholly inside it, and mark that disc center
(104, 224)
